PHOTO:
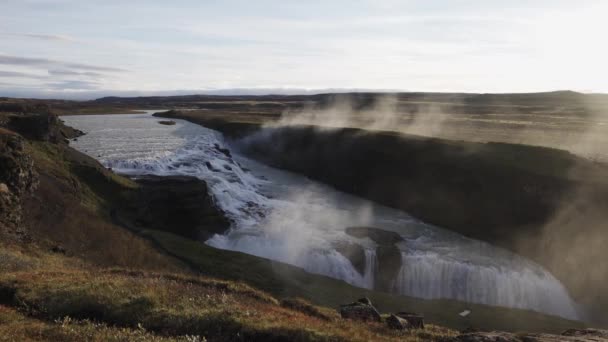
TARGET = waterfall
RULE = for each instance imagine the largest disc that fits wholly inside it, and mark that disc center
(289, 218)
(428, 275)
(371, 264)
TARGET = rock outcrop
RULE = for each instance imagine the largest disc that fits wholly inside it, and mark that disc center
(353, 252)
(361, 310)
(388, 255)
(17, 177)
(179, 204)
(167, 122)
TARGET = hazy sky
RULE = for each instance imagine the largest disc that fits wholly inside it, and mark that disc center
(102, 47)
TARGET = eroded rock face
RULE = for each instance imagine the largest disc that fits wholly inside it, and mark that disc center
(17, 177)
(179, 204)
(42, 126)
(354, 253)
(379, 236)
(388, 255)
(361, 310)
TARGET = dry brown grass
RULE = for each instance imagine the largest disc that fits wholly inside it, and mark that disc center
(175, 306)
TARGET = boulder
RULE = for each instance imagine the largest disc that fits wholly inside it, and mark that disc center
(415, 320)
(398, 323)
(361, 310)
(222, 150)
(167, 122)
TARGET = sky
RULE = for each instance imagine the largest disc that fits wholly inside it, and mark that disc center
(91, 48)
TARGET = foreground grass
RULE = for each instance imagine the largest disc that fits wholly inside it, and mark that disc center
(117, 304)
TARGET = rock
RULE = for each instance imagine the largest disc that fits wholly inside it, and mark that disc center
(17, 177)
(586, 333)
(353, 252)
(398, 323)
(388, 255)
(178, 204)
(169, 113)
(415, 320)
(58, 249)
(389, 264)
(42, 126)
(167, 122)
(224, 151)
(210, 167)
(361, 310)
(365, 301)
(379, 236)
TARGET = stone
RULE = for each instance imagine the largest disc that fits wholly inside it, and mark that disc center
(590, 333)
(224, 151)
(353, 252)
(415, 320)
(379, 236)
(361, 310)
(398, 323)
(167, 122)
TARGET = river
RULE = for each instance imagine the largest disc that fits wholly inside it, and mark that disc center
(287, 217)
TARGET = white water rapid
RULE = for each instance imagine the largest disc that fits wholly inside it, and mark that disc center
(289, 218)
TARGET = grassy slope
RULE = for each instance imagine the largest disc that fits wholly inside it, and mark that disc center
(64, 301)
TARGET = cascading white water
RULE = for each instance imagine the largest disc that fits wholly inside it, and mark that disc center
(432, 276)
(286, 217)
(371, 262)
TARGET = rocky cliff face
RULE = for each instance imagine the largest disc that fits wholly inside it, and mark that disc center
(17, 177)
(180, 205)
(17, 173)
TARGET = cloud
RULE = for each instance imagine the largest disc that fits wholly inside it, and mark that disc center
(43, 62)
(66, 72)
(52, 37)
(13, 74)
(73, 85)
